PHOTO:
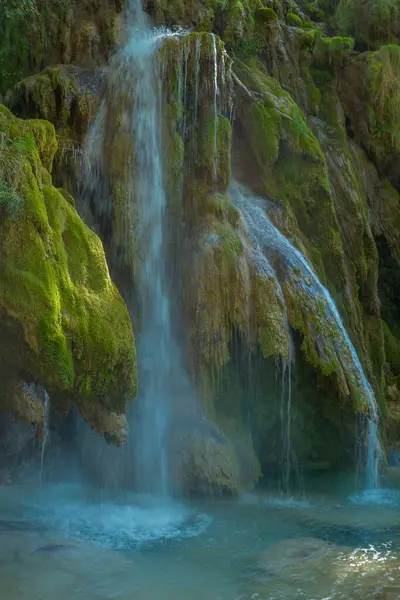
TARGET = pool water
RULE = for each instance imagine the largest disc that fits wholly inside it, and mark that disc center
(60, 542)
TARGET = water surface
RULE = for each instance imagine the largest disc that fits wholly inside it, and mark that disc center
(67, 541)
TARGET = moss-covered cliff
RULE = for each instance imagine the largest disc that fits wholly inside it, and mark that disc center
(63, 322)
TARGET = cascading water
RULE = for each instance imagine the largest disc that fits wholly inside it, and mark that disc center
(156, 348)
(156, 69)
(288, 458)
(196, 78)
(45, 429)
(278, 248)
(215, 96)
(133, 86)
(265, 269)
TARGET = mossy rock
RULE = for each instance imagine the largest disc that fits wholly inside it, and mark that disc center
(294, 20)
(373, 22)
(205, 465)
(68, 97)
(37, 34)
(330, 51)
(264, 16)
(292, 166)
(370, 92)
(59, 307)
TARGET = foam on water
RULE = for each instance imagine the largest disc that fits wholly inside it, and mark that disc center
(126, 524)
(376, 497)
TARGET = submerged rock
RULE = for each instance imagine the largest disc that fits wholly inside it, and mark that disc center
(291, 554)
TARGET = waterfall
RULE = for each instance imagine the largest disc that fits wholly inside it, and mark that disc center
(155, 348)
(264, 268)
(131, 192)
(301, 281)
(286, 416)
(196, 80)
(45, 428)
(215, 95)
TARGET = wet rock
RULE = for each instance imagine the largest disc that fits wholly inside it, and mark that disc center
(204, 462)
(112, 426)
(292, 554)
(15, 435)
(392, 476)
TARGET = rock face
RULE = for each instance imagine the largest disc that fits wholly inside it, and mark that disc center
(300, 102)
(38, 33)
(63, 322)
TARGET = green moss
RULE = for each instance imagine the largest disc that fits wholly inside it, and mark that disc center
(55, 287)
(392, 350)
(36, 34)
(10, 201)
(265, 132)
(264, 16)
(294, 20)
(48, 95)
(173, 167)
(293, 169)
(384, 81)
(224, 149)
(220, 206)
(316, 10)
(373, 22)
(206, 465)
(239, 23)
(169, 12)
(217, 295)
(332, 51)
(224, 285)
(269, 316)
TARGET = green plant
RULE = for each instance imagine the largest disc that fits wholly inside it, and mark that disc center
(12, 160)
(10, 200)
(384, 79)
(15, 18)
(19, 9)
(294, 20)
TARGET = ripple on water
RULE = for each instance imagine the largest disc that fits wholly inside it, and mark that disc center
(289, 503)
(128, 524)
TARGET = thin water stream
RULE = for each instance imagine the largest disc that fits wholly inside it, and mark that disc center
(275, 246)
